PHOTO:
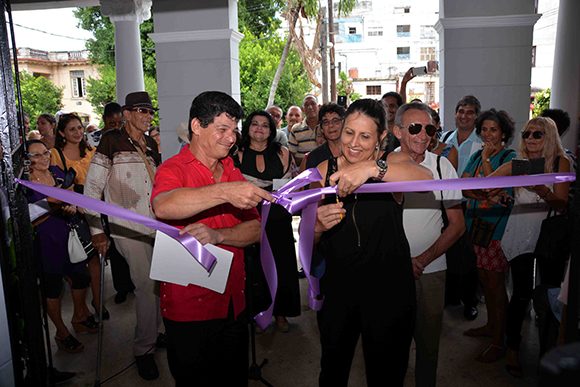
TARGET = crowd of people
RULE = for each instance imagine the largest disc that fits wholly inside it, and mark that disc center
(404, 256)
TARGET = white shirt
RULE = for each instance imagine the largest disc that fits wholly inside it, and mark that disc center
(422, 219)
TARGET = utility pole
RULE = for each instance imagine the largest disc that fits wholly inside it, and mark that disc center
(324, 56)
(331, 56)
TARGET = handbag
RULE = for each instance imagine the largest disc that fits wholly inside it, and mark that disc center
(76, 249)
(553, 248)
(482, 231)
(69, 174)
(79, 237)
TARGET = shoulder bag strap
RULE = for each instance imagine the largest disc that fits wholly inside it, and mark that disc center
(63, 159)
(443, 212)
(505, 155)
(144, 158)
(447, 135)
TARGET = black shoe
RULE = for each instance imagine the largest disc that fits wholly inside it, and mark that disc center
(120, 298)
(147, 367)
(161, 341)
(57, 377)
(470, 312)
(106, 314)
(301, 273)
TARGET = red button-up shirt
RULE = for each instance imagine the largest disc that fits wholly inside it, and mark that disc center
(192, 302)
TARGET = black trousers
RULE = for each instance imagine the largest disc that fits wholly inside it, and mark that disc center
(208, 353)
(522, 269)
(386, 340)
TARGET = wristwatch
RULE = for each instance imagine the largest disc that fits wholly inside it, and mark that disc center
(382, 166)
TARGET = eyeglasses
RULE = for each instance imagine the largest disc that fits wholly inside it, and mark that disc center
(416, 129)
(38, 155)
(141, 110)
(536, 135)
(334, 121)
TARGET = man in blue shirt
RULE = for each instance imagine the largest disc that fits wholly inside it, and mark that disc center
(464, 138)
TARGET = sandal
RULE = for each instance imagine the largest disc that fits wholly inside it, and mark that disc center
(87, 326)
(492, 353)
(478, 332)
(69, 344)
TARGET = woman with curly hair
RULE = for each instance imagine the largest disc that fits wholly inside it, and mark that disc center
(486, 217)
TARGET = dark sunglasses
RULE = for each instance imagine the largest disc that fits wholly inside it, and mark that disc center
(536, 135)
(416, 129)
(144, 111)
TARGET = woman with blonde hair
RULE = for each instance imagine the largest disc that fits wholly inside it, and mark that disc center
(540, 140)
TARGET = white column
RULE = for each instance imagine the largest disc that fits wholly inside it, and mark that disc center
(127, 16)
(566, 70)
(196, 45)
(485, 50)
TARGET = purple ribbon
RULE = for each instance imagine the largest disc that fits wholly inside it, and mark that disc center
(203, 256)
(307, 201)
(294, 201)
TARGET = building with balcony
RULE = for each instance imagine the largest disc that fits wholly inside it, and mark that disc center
(68, 70)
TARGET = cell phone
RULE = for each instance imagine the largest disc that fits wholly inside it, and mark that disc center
(520, 167)
(528, 167)
(537, 166)
(419, 71)
(341, 100)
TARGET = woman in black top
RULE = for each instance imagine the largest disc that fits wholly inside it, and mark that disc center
(262, 161)
(368, 286)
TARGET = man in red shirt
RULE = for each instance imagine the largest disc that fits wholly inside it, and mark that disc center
(200, 191)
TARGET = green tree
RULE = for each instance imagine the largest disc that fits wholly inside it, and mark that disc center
(541, 102)
(39, 95)
(344, 87)
(102, 47)
(310, 9)
(102, 90)
(259, 16)
(259, 59)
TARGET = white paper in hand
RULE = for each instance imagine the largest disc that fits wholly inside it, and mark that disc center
(173, 263)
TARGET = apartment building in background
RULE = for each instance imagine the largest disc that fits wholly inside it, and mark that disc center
(380, 40)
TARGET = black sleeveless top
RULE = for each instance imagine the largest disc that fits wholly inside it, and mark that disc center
(368, 250)
(274, 169)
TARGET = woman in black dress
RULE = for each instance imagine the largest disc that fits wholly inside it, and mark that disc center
(368, 286)
(265, 162)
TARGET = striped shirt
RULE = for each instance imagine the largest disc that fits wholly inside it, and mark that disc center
(301, 140)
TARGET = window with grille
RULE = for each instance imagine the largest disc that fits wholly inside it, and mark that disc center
(78, 83)
(403, 53)
(374, 90)
(403, 31)
(406, 9)
(375, 31)
(427, 54)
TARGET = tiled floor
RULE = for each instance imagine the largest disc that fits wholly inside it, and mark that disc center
(293, 357)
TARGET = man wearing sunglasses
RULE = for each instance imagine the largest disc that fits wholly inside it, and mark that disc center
(123, 170)
(423, 222)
